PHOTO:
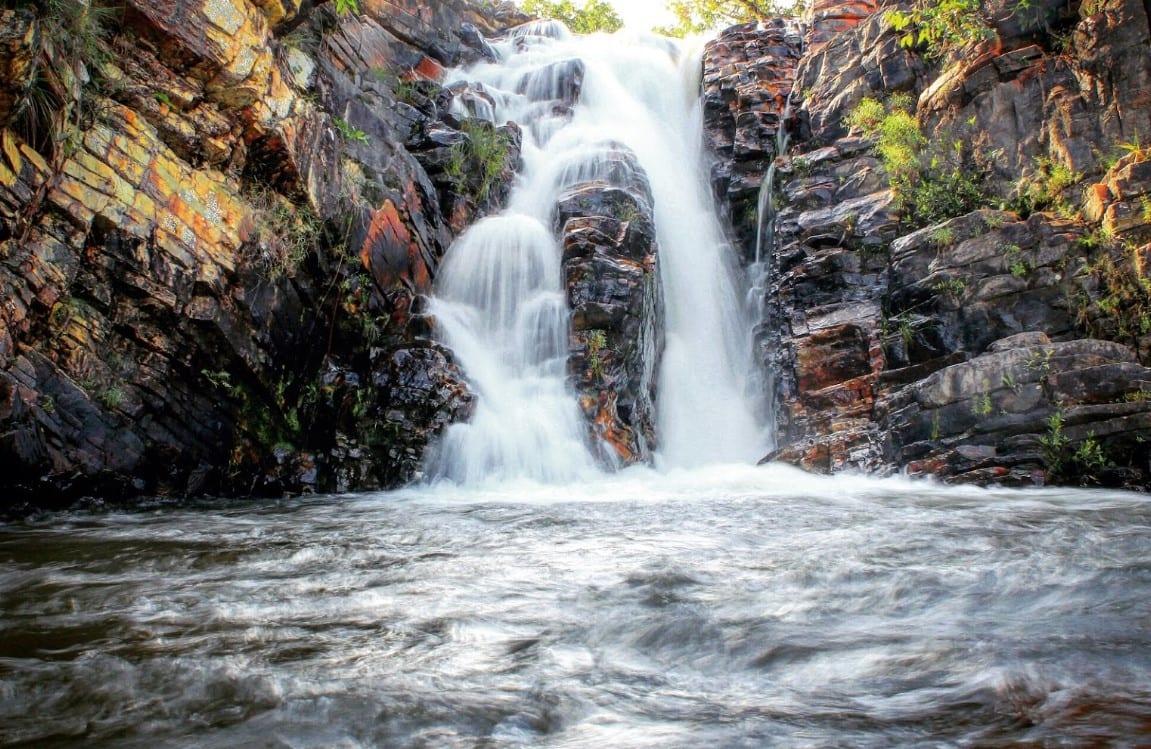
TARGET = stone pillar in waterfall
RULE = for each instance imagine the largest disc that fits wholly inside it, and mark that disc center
(610, 263)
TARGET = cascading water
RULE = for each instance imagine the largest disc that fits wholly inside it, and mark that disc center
(500, 302)
(765, 245)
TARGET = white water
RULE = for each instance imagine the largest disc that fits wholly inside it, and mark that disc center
(500, 301)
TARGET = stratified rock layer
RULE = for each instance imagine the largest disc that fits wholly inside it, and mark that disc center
(210, 273)
(610, 262)
(997, 346)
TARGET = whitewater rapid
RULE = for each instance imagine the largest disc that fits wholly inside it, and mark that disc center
(500, 302)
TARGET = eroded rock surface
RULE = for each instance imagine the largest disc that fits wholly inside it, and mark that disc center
(611, 271)
(1008, 344)
(211, 272)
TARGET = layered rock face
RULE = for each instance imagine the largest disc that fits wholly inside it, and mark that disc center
(610, 262)
(1008, 344)
(216, 224)
(748, 76)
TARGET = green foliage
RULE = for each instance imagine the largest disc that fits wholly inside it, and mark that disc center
(1091, 457)
(71, 55)
(953, 287)
(1054, 443)
(867, 116)
(1016, 264)
(943, 236)
(590, 17)
(481, 157)
(937, 26)
(349, 132)
(933, 180)
(1043, 188)
(347, 7)
(220, 380)
(111, 397)
(76, 32)
(287, 233)
(596, 342)
(1122, 308)
(1087, 460)
(983, 406)
(700, 16)
(1040, 361)
(406, 90)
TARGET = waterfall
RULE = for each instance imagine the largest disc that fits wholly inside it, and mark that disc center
(500, 302)
(760, 271)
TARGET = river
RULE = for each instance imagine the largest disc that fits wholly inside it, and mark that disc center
(723, 607)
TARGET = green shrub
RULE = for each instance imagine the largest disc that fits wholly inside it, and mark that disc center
(938, 27)
(480, 158)
(348, 131)
(932, 180)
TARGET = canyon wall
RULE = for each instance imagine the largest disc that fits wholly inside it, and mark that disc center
(217, 222)
(987, 318)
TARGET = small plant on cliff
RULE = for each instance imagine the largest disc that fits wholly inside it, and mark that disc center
(481, 157)
(983, 406)
(111, 397)
(286, 233)
(953, 287)
(1043, 188)
(347, 7)
(1054, 443)
(1086, 461)
(1091, 457)
(349, 132)
(596, 342)
(943, 236)
(1120, 309)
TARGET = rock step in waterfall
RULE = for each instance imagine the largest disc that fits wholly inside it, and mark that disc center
(599, 318)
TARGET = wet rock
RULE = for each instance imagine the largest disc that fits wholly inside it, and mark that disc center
(611, 271)
(827, 18)
(18, 29)
(863, 60)
(1022, 413)
(968, 349)
(749, 73)
(217, 288)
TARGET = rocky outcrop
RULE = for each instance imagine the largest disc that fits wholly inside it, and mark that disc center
(214, 238)
(1027, 411)
(1007, 344)
(611, 271)
(827, 18)
(749, 73)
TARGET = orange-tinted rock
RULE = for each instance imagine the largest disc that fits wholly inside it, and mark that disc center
(826, 18)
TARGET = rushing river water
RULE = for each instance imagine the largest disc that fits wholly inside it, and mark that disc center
(727, 607)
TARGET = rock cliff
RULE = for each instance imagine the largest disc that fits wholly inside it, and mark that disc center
(977, 311)
(217, 219)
